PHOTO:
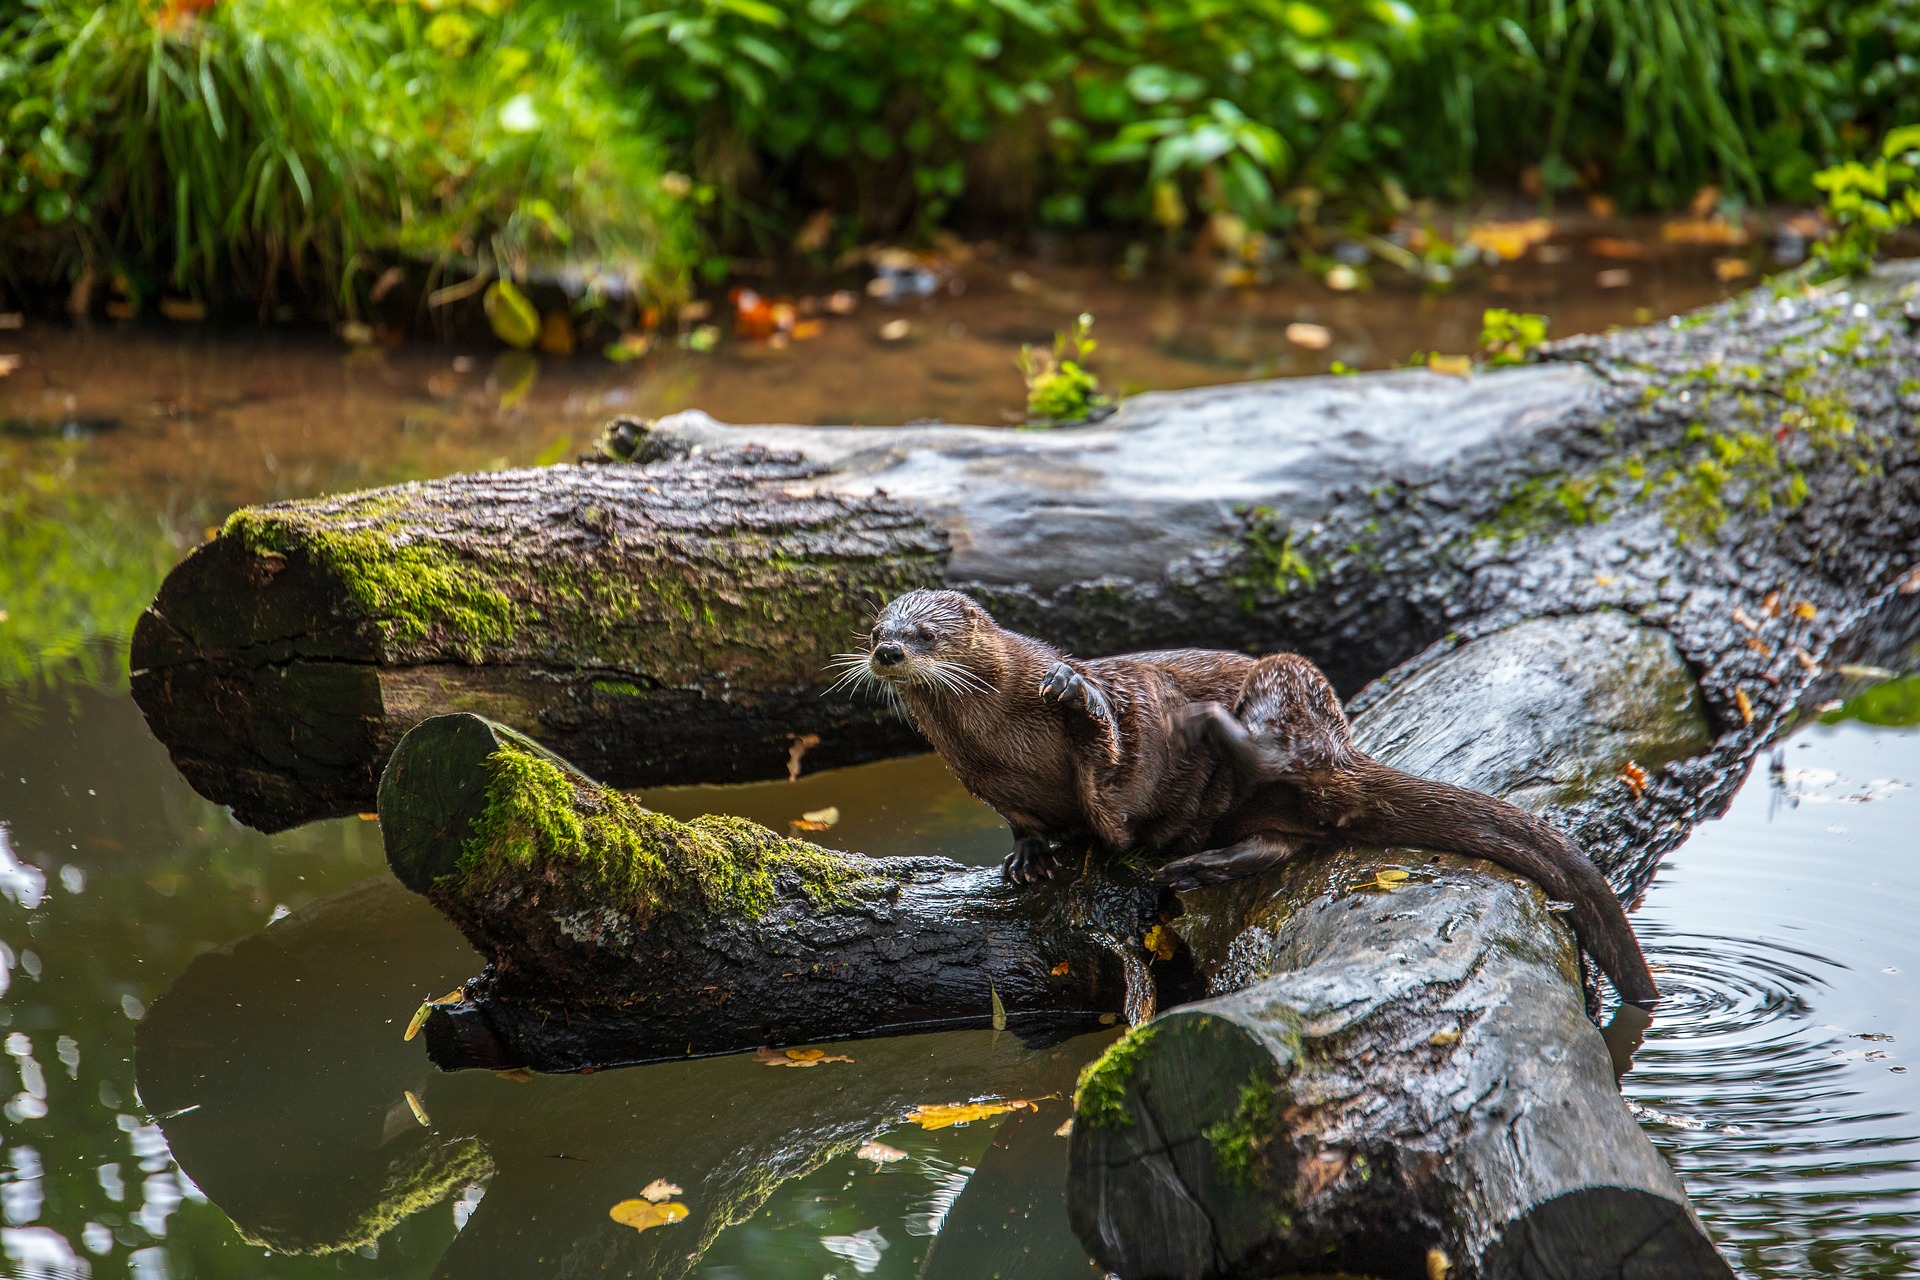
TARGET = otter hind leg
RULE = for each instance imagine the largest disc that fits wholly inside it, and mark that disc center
(1235, 862)
(1031, 861)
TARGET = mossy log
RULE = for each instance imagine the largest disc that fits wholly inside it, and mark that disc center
(290, 1112)
(670, 620)
(1401, 1067)
(616, 935)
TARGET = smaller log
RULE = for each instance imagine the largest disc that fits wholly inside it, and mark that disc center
(1403, 1073)
(616, 935)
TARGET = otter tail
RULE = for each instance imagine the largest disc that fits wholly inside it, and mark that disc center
(1400, 808)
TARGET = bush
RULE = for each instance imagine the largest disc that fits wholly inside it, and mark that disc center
(224, 144)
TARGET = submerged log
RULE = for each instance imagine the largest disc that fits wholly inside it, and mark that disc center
(669, 621)
(1402, 1076)
(615, 935)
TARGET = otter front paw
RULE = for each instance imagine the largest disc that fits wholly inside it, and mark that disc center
(1219, 866)
(1030, 862)
(1071, 689)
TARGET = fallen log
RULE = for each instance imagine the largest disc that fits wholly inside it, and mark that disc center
(615, 935)
(1402, 1068)
(669, 620)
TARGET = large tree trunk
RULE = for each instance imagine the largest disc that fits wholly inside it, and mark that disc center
(1406, 1071)
(670, 621)
(615, 935)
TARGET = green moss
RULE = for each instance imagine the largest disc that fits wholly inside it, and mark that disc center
(618, 688)
(411, 589)
(1101, 1096)
(538, 816)
(1237, 1142)
(1273, 561)
(419, 1179)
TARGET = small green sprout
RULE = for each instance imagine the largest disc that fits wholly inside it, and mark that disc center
(1060, 388)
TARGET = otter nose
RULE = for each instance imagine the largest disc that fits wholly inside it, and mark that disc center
(889, 654)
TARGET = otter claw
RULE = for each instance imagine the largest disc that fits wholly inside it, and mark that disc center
(1069, 688)
(1030, 862)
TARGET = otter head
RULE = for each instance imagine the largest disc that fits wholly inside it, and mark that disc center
(928, 642)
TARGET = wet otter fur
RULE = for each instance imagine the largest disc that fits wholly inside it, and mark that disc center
(1226, 764)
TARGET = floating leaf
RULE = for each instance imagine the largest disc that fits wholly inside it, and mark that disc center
(419, 1019)
(796, 1057)
(519, 1075)
(419, 1111)
(1452, 366)
(515, 320)
(659, 1190)
(999, 1009)
(945, 1115)
(880, 1153)
(1509, 240)
(1162, 942)
(1066, 1127)
(1060, 970)
(642, 1216)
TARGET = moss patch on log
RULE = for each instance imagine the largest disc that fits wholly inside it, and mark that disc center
(1238, 1141)
(1101, 1096)
(538, 819)
(418, 1180)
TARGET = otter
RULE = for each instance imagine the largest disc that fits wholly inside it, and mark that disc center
(1224, 764)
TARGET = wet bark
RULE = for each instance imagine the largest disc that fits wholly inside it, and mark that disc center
(1393, 1073)
(669, 621)
(615, 936)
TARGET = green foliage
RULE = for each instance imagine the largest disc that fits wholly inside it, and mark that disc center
(1894, 703)
(76, 570)
(1100, 1098)
(1869, 202)
(1274, 563)
(267, 136)
(1509, 337)
(1060, 388)
(1237, 1141)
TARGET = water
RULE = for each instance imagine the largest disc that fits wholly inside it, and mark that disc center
(269, 979)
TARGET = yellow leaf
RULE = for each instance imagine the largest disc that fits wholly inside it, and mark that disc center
(1509, 240)
(419, 1112)
(1162, 942)
(1452, 366)
(1603, 579)
(1441, 1039)
(825, 817)
(1060, 970)
(519, 1075)
(642, 1216)
(1634, 777)
(880, 1153)
(796, 1057)
(1805, 611)
(1745, 705)
(556, 334)
(947, 1114)
(515, 320)
(658, 1190)
(999, 1009)
(1438, 1264)
(1389, 878)
(419, 1019)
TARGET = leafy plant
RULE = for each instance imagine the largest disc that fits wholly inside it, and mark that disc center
(1867, 203)
(1060, 388)
(1509, 337)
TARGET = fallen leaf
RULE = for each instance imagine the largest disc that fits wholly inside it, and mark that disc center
(895, 330)
(880, 1153)
(658, 1190)
(1060, 970)
(1635, 778)
(806, 824)
(1603, 579)
(1703, 231)
(796, 1057)
(1805, 611)
(1740, 616)
(1314, 337)
(1861, 671)
(519, 1075)
(515, 320)
(945, 1115)
(825, 817)
(419, 1019)
(369, 817)
(1617, 249)
(1771, 604)
(1509, 240)
(1729, 269)
(1161, 942)
(1388, 878)
(1760, 646)
(1441, 1039)
(1805, 659)
(1452, 366)
(1066, 1127)
(419, 1112)
(1745, 705)
(642, 1216)
(1438, 1264)
(999, 1009)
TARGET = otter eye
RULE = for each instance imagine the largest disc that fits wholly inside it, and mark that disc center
(923, 633)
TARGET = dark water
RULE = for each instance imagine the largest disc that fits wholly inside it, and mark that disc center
(270, 979)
